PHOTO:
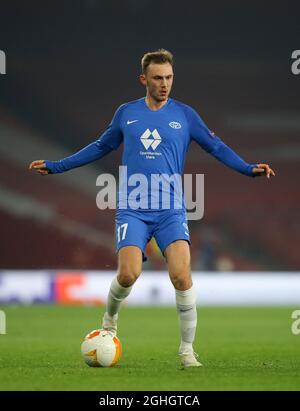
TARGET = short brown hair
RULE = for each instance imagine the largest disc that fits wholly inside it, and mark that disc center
(160, 56)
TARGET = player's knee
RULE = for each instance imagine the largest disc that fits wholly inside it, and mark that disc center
(181, 268)
(182, 283)
(127, 275)
(181, 277)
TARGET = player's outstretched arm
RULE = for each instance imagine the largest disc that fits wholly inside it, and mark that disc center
(108, 141)
(88, 154)
(218, 149)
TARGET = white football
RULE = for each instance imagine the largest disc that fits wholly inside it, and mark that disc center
(100, 348)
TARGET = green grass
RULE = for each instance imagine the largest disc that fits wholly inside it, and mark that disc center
(241, 349)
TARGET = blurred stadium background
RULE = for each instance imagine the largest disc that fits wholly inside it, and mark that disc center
(71, 64)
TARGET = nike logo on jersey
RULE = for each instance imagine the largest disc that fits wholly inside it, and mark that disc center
(131, 121)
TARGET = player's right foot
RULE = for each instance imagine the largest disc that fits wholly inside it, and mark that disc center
(190, 360)
(109, 323)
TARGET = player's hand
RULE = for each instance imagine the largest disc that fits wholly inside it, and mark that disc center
(263, 169)
(40, 167)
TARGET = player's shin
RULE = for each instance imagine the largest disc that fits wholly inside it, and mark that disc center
(187, 313)
(116, 296)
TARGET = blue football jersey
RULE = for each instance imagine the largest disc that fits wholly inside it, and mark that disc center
(155, 144)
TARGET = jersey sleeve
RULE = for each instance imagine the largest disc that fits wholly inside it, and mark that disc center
(213, 145)
(88, 154)
(109, 140)
(113, 135)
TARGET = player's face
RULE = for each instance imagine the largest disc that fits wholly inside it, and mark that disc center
(158, 80)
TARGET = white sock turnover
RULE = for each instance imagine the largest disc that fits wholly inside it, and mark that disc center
(116, 295)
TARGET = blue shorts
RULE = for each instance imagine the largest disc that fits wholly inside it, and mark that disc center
(136, 227)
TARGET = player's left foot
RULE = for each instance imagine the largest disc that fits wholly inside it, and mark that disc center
(190, 360)
(109, 323)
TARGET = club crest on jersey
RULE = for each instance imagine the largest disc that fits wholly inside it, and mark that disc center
(150, 139)
(175, 124)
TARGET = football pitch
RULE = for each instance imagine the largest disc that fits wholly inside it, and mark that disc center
(241, 349)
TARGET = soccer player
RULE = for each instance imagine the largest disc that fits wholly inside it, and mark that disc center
(156, 132)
